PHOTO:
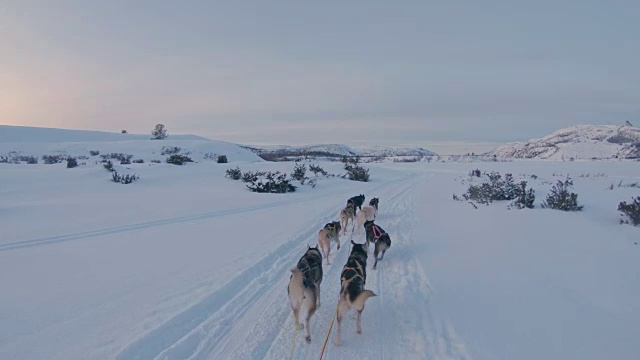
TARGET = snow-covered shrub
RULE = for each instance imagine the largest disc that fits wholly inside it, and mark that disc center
(156, 161)
(234, 174)
(125, 162)
(299, 172)
(108, 165)
(29, 159)
(138, 161)
(159, 132)
(123, 179)
(169, 150)
(496, 189)
(631, 211)
(178, 159)
(271, 182)
(354, 171)
(53, 159)
(71, 162)
(560, 197)
(222, 159)
(117, 156)
(252, 176)
(316, 169)
(524, 199)
(475, 173)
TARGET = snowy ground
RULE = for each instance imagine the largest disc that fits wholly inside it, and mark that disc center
(186, 264)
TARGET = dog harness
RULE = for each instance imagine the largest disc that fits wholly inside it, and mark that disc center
(377, 232)
(357, 272)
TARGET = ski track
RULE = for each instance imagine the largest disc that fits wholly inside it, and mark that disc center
(233, 320)
(149, 224)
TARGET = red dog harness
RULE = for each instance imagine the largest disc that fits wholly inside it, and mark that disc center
(376, 232)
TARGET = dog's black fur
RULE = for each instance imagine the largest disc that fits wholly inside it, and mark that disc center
(374, 202)
(382, 243)
(357, 201)
(311, 266)
(352, 292)
(355, 271)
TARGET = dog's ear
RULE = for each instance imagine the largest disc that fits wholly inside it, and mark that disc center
(308, 247)
(353, 242)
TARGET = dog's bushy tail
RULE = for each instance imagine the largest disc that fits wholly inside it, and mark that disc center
(359, 301)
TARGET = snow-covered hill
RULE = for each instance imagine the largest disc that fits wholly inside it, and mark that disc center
(578, 142)
(340, 150)
(10, 133)
(33, 141)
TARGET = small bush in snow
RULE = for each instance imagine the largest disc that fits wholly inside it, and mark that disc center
(496, 189)
(159, 132)
(123, 179)
(354, 171)
(222, 159)
(316, 169)
(560, 197)
(299, 172)
(138, 161)
(53, 159)
(29, 159)
(475, 173)
(109, 166)
(272, 182)
(125, 162)
(234, 174)
(71, 163)
(252, 176)
(178, 159)
(524, 199)
(169, 150)
(631, 211)
(156, 161)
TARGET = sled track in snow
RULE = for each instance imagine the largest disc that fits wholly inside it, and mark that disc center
(243, 318)
(149, 224)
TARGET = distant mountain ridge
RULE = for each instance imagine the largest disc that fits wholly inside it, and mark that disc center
(578, 142)
(338, 150)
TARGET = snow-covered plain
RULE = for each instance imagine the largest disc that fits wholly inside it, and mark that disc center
(187, 264)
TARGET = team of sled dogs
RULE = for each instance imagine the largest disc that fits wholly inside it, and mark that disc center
(304, 283)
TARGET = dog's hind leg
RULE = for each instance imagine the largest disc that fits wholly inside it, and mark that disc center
(358, 322)
(339, 316)
(296, 314)
(318, 295)
(311, 311)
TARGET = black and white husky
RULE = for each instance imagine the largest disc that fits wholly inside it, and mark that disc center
(304, 284)
(352, 292)
(377, 235)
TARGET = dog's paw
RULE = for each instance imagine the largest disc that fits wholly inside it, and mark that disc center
(308, 339)
(359, 331)
(338, 342)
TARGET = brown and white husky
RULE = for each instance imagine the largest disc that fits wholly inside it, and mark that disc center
(330, 232)
(304, 287)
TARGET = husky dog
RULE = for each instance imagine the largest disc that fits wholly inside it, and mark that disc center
(330, 232)
(304, 283)
(346, 214)
(377, 235)
(374, 202)
(357, 201)
(367, 213)
(352, 292)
